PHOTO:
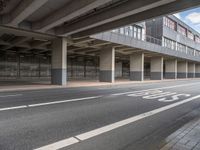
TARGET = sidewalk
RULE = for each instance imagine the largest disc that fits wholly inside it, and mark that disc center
(17, 86)
(21, 86)
(186, 138)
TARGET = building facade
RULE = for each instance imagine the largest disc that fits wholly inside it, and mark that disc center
(160, 48)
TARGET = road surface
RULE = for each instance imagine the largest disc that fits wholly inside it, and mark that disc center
(120, 117)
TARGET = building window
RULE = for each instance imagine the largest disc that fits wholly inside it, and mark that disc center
(129, 30)
(190, 51)
(181, 48)
(170, 23)
(169, 44)
(137, 32)
(197, 53)
(197, 39)
(182, 30)
(121, 31)
(115, 30)
(190, 35)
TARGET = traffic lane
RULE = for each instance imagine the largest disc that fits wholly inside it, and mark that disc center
(50, 124)
(149, 133)
(26, 98)
(169, 95)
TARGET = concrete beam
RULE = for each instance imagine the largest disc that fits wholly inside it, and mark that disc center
(68, 12)
(24, 9)
(122, 10)
(146, 14)
(17, 32)
(16, 41)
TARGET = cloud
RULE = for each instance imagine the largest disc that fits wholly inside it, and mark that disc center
(178, 15)
(194, 17)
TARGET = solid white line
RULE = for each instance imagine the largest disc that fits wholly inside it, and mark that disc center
(63, 101)
(168, 87)
(113, 126)
(10, 95)
(107, 128)
(49, 103)
(12, 108)
(60, 144)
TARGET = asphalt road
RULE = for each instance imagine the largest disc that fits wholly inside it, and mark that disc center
(122, 117)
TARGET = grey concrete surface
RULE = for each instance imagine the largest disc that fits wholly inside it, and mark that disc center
(136, 75)
(33, 127)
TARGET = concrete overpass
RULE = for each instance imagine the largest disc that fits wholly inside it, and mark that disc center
(49, 27)
(83, 17)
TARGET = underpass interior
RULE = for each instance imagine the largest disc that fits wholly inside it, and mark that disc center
(27, 60)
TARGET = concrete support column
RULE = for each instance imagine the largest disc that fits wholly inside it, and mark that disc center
(107, 65)
(197, 71)
(171, 69)
(182, 69)
(157, 68)
(191, 70)
(59, 62)
(137, 67)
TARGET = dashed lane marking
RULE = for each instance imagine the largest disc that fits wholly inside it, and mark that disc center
(3, 96)
(49, 103)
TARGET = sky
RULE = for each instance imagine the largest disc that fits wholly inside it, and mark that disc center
(191, 17)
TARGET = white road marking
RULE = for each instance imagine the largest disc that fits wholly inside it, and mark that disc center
(158, 95)
(60, 144)
(63, 101)
(10, 95)
(80, 99)
(168, 87)
(49, 103)
(12, 108)
(173, 98)
(107, 128)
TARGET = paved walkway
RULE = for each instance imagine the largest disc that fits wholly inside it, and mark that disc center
(36, 85)
(186, 138)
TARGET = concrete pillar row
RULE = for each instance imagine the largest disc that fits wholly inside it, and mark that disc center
(59, 62)
(157, 68)
(191, 70)
(137, 67)
(107, 65)
(182, 69)
(171, 69)
(197, 71)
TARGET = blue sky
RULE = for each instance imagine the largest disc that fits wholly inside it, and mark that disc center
(191, 17)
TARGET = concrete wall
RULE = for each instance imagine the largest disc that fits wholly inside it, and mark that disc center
(171, 69)
(197, 71)
(182, 69)
(191, 70)
(130, 41)
(156, 68)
